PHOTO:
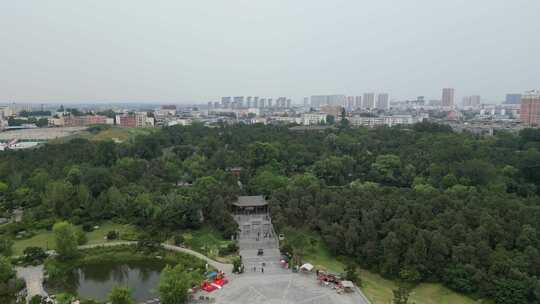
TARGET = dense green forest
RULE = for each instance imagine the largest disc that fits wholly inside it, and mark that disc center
(419, 204)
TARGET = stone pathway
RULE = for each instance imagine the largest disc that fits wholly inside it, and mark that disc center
(276, 285)
(33, 276)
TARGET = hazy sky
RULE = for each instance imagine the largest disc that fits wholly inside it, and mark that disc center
(195, 51)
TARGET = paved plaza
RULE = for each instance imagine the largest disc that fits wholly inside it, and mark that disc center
(275, 285)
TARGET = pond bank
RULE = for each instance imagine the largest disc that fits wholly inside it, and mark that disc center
(123, 253)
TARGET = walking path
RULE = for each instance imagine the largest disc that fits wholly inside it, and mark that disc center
(33, 276)
(275, 285)
(221, 266)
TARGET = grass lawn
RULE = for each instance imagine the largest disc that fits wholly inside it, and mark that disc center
(45, 239)
(375, 287)
(98, 236)
(379, 291)
(112, 133)
(42, 238)
(120, 134)
(206, 241)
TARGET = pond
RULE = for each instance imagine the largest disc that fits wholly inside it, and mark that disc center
(96, 281)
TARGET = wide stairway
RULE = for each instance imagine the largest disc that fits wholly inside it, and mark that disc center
(257, 232)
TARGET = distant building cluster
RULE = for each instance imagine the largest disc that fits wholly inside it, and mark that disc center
(251, 102)
(387, 120)
(365, 102)
(473, 114)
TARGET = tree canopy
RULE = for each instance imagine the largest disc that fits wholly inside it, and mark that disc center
(422, 201)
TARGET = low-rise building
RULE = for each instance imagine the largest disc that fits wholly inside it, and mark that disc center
(81, 121)
(388, 121)
(313, 118)
(142, 120)
(286, 119)
(126, 121)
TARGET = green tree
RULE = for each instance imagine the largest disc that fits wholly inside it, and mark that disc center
(34, 255)
(58, 196)
(262, 153)
(120, 295)
(351, 274)
(401, 295)
(66, 240)
(266, 182)
(6, 269)
(386, 169)
(174, 284)
(81, 237)
(64, 298)
(5, 246)
(74, 175)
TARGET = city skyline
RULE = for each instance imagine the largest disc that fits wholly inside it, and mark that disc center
(195, 52)
(358, 96)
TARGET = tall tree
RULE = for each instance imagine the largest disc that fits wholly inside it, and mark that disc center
(174, 284)
(65, 239)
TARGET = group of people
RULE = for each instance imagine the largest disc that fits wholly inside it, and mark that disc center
(266, 235)
(263, 264)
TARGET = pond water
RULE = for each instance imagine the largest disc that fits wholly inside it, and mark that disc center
(96, 281)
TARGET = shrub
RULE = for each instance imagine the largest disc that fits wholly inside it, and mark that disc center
(81, 237)
(87, 227)
(148, 246)
(178, 239)
(5, 246)
(229, 249)
(34, 255)
(112, 235)
(37, 299)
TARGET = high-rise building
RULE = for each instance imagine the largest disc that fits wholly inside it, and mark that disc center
(226, 102)
(318, 101)
(350, 103)
(435, 103)
(383, 101)
(239, 100)
(471, 101)
(358, 102)
(270, 102)
(448, 97)
(368, 101)
(530, 109)
(281, 102)
(513, 99)
(306, 103)
(288, 103)
(327, 100)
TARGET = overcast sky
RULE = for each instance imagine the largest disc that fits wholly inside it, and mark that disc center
(195, 51)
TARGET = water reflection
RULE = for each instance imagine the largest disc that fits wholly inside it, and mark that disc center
(96, 281)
